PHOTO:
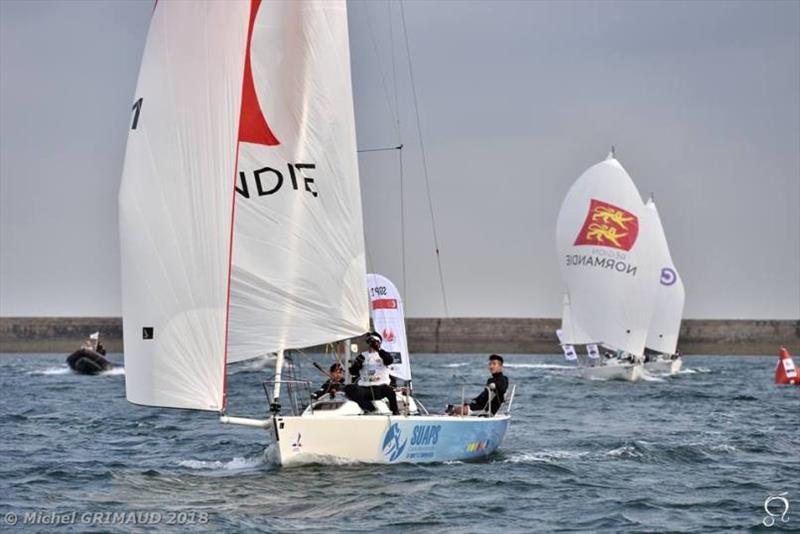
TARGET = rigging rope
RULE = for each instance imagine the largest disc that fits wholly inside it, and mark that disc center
(403, 292)
(393, 111)
(424, 158)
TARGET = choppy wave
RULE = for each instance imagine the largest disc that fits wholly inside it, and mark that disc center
(545, 456)
(234, 464)
(650, 377)
(64, 370)
(694, 371)
(695, 453)
(670, 453)
(61, 370)
(514, 365)
(256, 364)
(539, 366)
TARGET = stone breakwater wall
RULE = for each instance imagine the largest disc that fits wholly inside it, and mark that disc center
(452, 335)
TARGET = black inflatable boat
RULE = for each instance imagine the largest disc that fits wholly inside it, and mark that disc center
(88, 362)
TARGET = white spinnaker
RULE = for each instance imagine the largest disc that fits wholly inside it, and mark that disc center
(665, 324)
(299, 269)
(388, 318)
(571, 331)
(611, 287)
(175, 204)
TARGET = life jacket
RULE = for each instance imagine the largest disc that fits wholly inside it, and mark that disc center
(374, 372)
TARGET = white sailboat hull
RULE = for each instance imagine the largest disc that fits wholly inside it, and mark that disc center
(669, 367)
(629, 372)
(386, 439)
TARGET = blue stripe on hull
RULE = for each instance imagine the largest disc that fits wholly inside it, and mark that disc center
(441, 440)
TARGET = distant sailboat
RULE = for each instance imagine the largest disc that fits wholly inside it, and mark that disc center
(603, 243)
(665, 325)
(241, 226)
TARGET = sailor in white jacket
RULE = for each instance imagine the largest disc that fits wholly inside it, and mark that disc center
(372, 369)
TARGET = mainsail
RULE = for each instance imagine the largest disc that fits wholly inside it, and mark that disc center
(665, 323)
(602, 238)
(389, 321)
(240, 209)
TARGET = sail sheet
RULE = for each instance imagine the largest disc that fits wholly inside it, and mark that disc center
(299, 270)
(237, 96)
(665, 323)
(388, 319)
(602, 238)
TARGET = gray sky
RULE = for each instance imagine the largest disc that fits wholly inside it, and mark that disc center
(516, 99)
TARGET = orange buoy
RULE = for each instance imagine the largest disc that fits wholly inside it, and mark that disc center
(786, 372)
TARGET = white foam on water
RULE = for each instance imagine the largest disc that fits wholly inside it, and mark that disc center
(599, 379)
(53, 371)
(461, 364)
(720, 447)
(538, 366)
(271, 457)
(255, 364)
(544, 456)
(649, 377)
(626, 451)
(217, 465)
(322, 459)
(116, 371)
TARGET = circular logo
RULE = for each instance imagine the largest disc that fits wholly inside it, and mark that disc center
(11, 518)
(668, 276)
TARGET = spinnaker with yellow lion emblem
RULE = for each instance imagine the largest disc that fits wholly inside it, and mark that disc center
(603, 237)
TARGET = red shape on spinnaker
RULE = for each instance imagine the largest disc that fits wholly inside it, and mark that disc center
(253, 127)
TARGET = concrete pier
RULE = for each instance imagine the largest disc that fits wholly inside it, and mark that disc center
(453, 335)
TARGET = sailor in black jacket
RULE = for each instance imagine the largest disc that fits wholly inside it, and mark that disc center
(333, 384)
(496, 387)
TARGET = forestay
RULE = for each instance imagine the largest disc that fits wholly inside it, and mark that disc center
(254, 98)
(388, 318)
(665, 323)
(603, 248)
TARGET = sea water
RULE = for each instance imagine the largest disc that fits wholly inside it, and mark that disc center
(699, 451)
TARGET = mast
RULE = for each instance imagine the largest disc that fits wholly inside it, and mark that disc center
(275, 405)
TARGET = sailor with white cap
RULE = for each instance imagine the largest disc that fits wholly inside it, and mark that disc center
(372, 369)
